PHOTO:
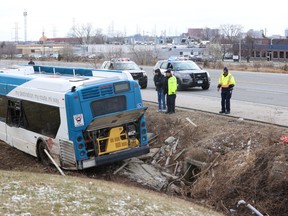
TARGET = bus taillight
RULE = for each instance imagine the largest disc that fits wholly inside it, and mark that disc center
(79, 139)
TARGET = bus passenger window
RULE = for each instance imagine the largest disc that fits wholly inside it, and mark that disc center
(14, 113)
(3, 108)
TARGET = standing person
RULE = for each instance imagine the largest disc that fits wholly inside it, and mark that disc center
(170, 88)
(31, 62)
(159, 80)
(226, 83)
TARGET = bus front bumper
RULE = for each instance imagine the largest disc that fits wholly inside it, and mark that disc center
(113, 157)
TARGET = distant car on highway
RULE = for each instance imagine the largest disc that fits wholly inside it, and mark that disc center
(187, 72)
(125, 64)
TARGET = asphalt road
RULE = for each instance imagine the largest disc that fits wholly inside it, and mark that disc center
(261, 97)
(255, 87)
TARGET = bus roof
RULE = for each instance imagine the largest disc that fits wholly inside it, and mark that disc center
(59, 79)
(74, 71)
(54, 82)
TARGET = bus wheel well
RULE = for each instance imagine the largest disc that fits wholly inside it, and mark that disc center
(41, 155)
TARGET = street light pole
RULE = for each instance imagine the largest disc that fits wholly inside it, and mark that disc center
(239, 49)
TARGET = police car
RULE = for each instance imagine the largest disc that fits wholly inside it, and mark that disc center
(187, 72)
(125, 64)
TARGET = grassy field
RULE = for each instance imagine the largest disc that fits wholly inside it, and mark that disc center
(24, 193)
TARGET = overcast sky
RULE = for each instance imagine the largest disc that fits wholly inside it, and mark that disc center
(56, 17)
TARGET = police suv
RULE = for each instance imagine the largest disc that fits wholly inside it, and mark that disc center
(187, 72)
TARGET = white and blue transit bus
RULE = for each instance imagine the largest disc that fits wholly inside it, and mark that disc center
(82, 121)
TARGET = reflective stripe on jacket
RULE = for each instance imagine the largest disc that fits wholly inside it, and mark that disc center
(172, 85)
(226, 81)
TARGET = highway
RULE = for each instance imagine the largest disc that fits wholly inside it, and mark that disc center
(261, 97)
(255, 87)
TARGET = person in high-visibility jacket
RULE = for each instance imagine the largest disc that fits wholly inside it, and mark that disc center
(226, 84)
(170, 89)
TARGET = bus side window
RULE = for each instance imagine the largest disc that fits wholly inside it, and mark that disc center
(14, 113)
(3, 108)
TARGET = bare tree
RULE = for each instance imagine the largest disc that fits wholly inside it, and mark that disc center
(83, 31)
(248, 44)
(144, 55)
(231, 32)
(231, 35)
(209, 34)
(67, 53)
(118, 38)
(99, 37)
(114, 52)
(8, 49)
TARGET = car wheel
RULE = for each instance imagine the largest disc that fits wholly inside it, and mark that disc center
(206, 87)
(179, 85)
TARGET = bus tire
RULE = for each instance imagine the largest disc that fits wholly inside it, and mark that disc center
(42, 156)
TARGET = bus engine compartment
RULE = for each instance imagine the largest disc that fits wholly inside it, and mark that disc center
(108, 140)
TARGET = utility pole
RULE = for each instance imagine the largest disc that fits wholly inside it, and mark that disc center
(25, 25)
(240, 49)
(16, 33)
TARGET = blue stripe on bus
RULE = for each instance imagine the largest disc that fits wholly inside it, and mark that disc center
(63, 71)
(13, 80)
(70, 71)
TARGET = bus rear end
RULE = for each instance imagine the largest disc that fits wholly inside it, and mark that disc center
(106, 124)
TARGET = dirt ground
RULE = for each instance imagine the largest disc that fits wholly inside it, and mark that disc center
(216, 161)
(242, 160)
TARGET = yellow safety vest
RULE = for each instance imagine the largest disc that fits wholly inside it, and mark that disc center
(226, 81)
(172, 85)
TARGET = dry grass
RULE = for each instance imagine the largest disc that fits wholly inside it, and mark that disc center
(255, 66)
(244, 169)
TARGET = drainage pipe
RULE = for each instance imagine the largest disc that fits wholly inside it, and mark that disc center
(250, 207)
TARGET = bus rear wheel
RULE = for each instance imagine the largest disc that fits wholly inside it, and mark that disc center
(42, 156)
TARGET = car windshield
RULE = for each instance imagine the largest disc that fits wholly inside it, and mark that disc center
(126, 66)
(186, 65)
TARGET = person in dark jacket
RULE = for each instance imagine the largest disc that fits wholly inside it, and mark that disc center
(31, 62)
(159, 80)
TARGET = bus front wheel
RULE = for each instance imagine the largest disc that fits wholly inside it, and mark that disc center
(42, 156)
